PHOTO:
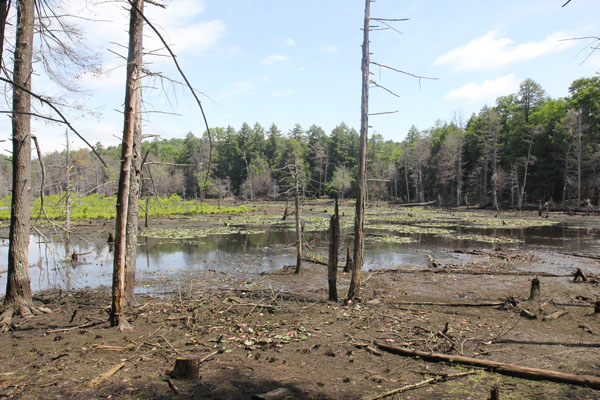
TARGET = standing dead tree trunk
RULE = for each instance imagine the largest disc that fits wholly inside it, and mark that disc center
(117, 317)
(359, 217)
(334, 247)
(298, 222)
(136, 163)
(68, 197)
(18, 299)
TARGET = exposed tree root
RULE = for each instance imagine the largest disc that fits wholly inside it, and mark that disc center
(24, 309)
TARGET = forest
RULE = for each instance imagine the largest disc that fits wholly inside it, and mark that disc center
(525, 149)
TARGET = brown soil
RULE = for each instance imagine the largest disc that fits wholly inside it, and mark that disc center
(255, 334)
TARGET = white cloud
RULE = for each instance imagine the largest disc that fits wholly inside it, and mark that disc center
(330, 49)
(491, 51)
(290, 42)
(283, 93)
(488, 89)
(275, 58)
(195, 38)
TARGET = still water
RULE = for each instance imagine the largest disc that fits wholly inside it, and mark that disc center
(255, 253)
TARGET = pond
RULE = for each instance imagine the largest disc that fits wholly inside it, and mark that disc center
(253, 251)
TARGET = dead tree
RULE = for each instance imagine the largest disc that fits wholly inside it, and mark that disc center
(18, 299)
(117, 317)
(359, 217)
(297, 217)
(334, 246)
(136, 163)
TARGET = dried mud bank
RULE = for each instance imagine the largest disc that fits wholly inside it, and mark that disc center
(252, 335)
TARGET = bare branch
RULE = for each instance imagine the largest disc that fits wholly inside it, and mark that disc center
(385, 112)
(389, 19)
(384, 88)
(568, 1)
(403, 72)
(63, 118)
(184, 78)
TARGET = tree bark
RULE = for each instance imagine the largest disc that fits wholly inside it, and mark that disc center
(359, 217)
(117, 317)
(18, 299)
(136, 163)
(298, 223)
(334, 246)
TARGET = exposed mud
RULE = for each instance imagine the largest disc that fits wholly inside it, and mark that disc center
(256, 333)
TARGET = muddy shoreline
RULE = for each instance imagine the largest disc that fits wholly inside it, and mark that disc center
(259, 332)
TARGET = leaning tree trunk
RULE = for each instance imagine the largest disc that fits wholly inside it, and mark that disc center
(136, 163)
(117, 317)
(359, 218)
(18, 288)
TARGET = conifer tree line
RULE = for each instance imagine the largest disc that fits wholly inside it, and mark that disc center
(525, 148)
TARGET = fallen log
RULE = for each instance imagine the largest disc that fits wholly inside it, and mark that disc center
(498, 367)
(555, 315)
(428, 203)
(480, 272)
(432, 303)
(317, 260)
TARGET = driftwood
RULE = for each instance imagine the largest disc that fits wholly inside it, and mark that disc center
(431, 303)
(101, 378)
(499, 367)
(555, 315)
(421, 384)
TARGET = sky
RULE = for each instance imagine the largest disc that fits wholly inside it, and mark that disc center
(298, 62)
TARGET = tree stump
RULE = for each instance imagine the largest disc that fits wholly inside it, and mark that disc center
(579, 275)
(495, 393)
(534, 292)
(187, 367)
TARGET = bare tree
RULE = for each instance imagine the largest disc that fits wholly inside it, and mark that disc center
(18, 299)
(117, 317)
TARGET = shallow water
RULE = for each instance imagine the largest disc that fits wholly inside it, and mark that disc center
(269, 251)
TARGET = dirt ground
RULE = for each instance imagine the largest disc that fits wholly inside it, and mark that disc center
(254, 334)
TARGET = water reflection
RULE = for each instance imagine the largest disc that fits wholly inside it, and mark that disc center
(51, 265)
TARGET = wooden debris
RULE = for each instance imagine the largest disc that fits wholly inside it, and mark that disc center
(429, 303)
(495, 393)
(528, 314)
(432, 262)
(534, 291)
(112, 348)
(101, 378)
(172, 386)
(499, 367)
(276, 394)
(421, 384)
(579, 275)
(555, 315)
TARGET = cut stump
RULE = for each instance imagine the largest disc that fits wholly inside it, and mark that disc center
(187, 367)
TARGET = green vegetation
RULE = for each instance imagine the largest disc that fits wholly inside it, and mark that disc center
(100, 206)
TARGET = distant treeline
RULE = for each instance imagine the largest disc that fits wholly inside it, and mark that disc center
(524, 149)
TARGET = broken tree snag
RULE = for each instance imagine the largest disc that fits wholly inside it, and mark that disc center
(495, 393)
(498, 367)
(285, 213)
(579, 275)
(334, 246)
(187, 367)
(277, 394)
(349, 261)
(534, 292)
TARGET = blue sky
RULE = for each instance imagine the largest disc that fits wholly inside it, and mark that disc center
(291, 61)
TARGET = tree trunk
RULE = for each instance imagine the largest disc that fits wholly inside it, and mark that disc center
(117, 317)
(334, 246)
(136, 162)
(18, 288)
(68, 198)
(298, 225)
(359, 217)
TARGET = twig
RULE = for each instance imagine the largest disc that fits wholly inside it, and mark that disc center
(420, 384)
(99, 379)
